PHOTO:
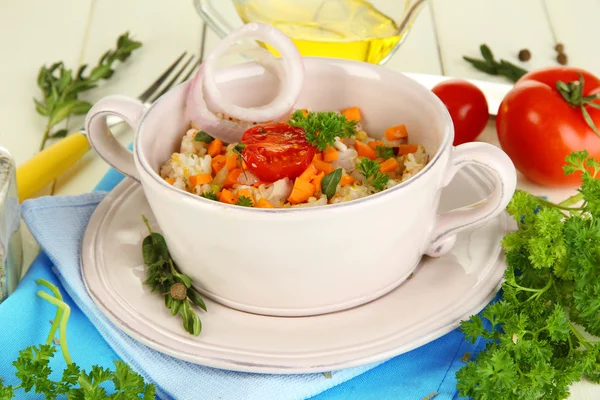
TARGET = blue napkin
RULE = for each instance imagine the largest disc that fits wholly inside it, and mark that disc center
(58, 224)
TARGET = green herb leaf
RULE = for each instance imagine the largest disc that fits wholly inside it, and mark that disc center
(244, 201)
(162, 274)
(203, 137)
(321, 128)
(330, 181)
(370, 170)
(210, 195)
(385, 152)
(492, 67)
(60, 89)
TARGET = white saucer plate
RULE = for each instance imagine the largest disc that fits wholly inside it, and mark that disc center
(441, 293)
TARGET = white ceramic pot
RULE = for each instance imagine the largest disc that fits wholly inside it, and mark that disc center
(304, 261)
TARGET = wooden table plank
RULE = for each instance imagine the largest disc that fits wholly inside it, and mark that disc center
(575, 24)
(505, 26)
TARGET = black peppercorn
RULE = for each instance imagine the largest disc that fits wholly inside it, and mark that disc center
(524, 55)
(178, 291)
(562, 58)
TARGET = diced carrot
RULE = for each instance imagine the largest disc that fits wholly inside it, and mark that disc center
(245, 193)
(389, 165)
(364, 150)
(316, 180)
(373, 144)
(226, 197)
(170, 181)
(244, 165)
(347, 180)
(352, 114)
(301, 192)
(330, 154)
(215, 147)
(217, 163)
(232, 178)
(318, 157)
(404, 149)
(231, 162)
(323, 166)
(396, 132)
(262, 203)
(304, 112)
(200, 179)
(308, 173)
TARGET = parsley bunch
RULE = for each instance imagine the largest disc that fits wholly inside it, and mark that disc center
(60, 88)
(162, 276)
(33, 367)
(552, 283)
(322, 128)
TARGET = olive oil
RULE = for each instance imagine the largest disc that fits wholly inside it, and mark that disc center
(350, 29)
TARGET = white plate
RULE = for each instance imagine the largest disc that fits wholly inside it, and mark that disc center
(442, 292)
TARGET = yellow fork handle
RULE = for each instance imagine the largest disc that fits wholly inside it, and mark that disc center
(48, 164)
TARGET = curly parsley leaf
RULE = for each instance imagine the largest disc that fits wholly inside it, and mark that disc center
(385, 152)
(210, 195)
(244, 201)
(370, 170)
(534, 348)
(321, 128)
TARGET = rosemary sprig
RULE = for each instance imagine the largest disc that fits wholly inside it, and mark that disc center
(490, 66)
(61, 89)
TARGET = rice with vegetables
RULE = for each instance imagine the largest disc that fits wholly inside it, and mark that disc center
(315, 158)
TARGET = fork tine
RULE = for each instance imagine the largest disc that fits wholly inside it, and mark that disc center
(171, 83)
(156, 84)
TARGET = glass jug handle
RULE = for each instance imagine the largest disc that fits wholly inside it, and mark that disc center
(212, 17)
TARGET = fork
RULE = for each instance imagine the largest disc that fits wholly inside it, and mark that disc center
(48, 164)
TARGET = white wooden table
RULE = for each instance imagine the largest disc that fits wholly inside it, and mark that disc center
(34, 32)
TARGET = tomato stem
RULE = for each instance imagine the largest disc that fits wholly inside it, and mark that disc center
(572, 93)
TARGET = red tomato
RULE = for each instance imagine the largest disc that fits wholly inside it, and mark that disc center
(276, 151)
(538, 128)
(467, 107)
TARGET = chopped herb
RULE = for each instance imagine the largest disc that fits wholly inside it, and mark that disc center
(328, 374)
(385, 152)
(244, 201)
(322, 128)
(210, 195)
(330, 182)
(203, 137)
(163, 277)
(370, 170)
(238, 148)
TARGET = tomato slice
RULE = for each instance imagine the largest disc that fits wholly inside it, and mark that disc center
(276, 151)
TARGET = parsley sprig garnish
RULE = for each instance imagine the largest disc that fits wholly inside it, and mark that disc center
(33, 367)
(210, 195)
(323, 127)
(534, 349)
(244, 201)
(385, 152)
(61, 89)
(370, 170)
(163, 277)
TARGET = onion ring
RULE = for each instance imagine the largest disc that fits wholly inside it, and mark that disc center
(204, 94)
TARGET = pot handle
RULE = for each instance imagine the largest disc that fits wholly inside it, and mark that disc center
(504, 173)
(102, 139)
